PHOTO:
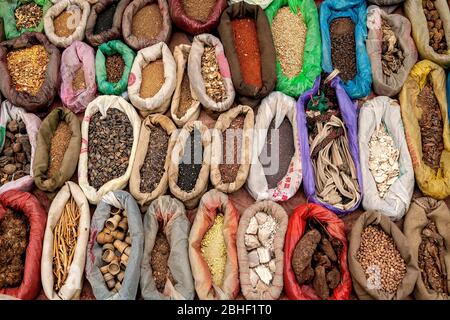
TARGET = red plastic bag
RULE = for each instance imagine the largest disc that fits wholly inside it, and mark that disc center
(194, 27)
(295, 230)
(27, 204)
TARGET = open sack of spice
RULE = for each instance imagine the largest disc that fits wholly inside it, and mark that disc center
(276, 171)
(391, 50)
(190, 163)
(17, 147)
(426, 229)
(424, 111)
(78, 86)
(115, 247)
(152, 79)
(65, 22)
(430, 29)
(57, 150)
(109, 135)
(231, 149)
(344, 32)
(105, 21)
(247, 40)
(212, 248)
(209, 74)
(165, 268)
(113, 62)
(29, 67)
(22, 225)
(20, 16)
(145, 23)
(386, 167)
(315, 255)
(185, 106)
(328, 130)
(260, 244)
(296, 35)
(196, 17)
(150, 175)
(65, 244)
(380, 258)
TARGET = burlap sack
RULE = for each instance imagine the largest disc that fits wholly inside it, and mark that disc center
(115, 32)
(9, 112)
(422, 211)
(83, 9)
(143, 198)
(73, 285)
(196, 78)
(42, 156)
(383, 84)
(245, 148)
(434, 183)
(414, 12)
(212, 203)
(137, 43)
(275, 106)
(160, 102)
(190, 199)
(247, 93)
(376, 112)
(46, 94)
(273, 291)
(102, 104)
(121, 200)
(358, 276)
(181, 54)
(168, 215)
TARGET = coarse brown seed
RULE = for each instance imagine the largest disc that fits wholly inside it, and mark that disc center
(152, 79)
(191, 164)
(28, 16)
(199, 10)
(231, 161)
(159, 261)
(289, 36)
(147, 22)
(343, 47)
(58, 147)
(66, 23)
(115, 66)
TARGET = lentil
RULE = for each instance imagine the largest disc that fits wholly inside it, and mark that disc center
(198, 10)
(105, 19)
(435, 25)
(189, 168)
(159, 261)
(152, 169)
(378, 250)
(152, 79)
(27, 68)
(343, 47)
(28, 16)
(185, 96)
(289, 36)
(214, 84)
(391, 54)
(78, 82)
(229, 167)
(114, 68)
(247, 49)
(66, 23)
(214, 251)
(58, 147)
(147, 22)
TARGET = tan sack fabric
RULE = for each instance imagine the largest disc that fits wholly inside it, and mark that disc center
(262, 291)
(358, 276)
(191, 198)
(211, 203)
(73, 285)
(422, 211)
(181, 56)
(144, 198)
(160, 102)
(168, 215)
(245, 148)
(77, 21)
(102, 104)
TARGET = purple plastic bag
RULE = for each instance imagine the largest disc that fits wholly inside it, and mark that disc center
(350, 119)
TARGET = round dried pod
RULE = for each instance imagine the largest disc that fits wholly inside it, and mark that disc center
(109, 246)
(104, 269)
(127, 250)
(119, 235)
(120, 245)
(108, 255)
(123, 261)
(120, 276)
(128, 240)
(117, 286)
(112, 222)
(123, 225)
(103, 238)
(117, 211)
(114, 267)
(111, 283)
(108, 277)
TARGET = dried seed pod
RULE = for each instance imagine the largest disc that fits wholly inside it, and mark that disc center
(113, 222)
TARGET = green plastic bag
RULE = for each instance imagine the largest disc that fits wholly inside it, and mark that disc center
(108, 49)
(312, 55)
(7, 9)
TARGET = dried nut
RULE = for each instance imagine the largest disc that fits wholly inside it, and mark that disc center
(103, 238)
(108, 256)
(112, 222)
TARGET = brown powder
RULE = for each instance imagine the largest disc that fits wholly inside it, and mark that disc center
(65, 24)
(152, 79)
(185, 96)
(78, 82)
(230, 167)
(199, 10)
(147, 22)
(58, 147)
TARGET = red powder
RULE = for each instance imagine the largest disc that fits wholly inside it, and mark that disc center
(247, 48)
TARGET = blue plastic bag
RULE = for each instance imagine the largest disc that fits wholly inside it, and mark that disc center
(356, 10)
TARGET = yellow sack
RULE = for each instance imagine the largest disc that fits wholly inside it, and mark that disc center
(435, 183)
